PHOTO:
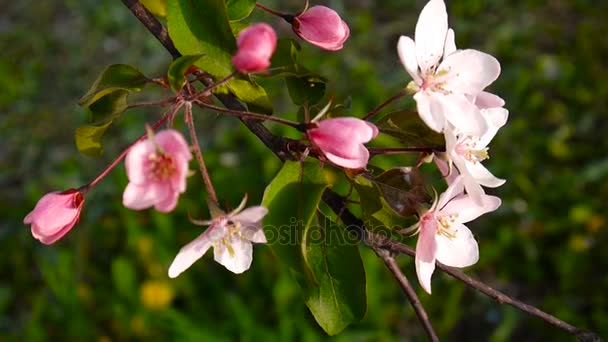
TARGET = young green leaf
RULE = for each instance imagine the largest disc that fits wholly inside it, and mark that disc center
(338, 297)
(114, 78)
(177, 70)
(88, 139)
(239, 9)
(407, 127)
(109, 106)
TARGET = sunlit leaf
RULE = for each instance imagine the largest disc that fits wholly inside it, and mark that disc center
(177, 71)
(156, 7)
(117, 77)
(239, 9)
(88, 139)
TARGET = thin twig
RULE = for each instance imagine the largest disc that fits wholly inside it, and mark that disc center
(392, 265)
(384, 104)
(251, 115)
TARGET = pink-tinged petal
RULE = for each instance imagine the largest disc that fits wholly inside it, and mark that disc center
(136, 161)
(459, 251)
(450, 43)
(358, 161)
(431, 31)
(485, 100)
(483, 176)
(468, 71)
(179, 178)
(467, 210)
(448, 173)
(426, 248)
(430, 111)
(322, 27)
(253, 232)
(173, 143)
(193, 251)
(256, 44)
(472, 186)
(406, 48)
(138, 197)
(237, 257)
(456, 188)
(251, 214)
(347, 128)
(168, 204)
(54, 215)
(463, 114)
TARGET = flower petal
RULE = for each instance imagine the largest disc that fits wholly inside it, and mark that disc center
(137, 160)
(236, 257)
(483, 176)
(459, 251)
(138, 197)
(251, 214)
(467, 210)
(193, 251)
(468, 71)
(463, 114)
(430, 110)
(168, 204)
(406, 48)
(486, 100)
(450, 43)
(426, 248)
(173, 143)
(456, 188)
(253, 232)
(431, 31)
(357, 160)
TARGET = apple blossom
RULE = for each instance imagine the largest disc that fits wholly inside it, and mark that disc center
(157, 169)
(443, 235)
(55, 214)
(341, 140)
(256, 44)
(444, 77)
(321, 26)
(231, 236)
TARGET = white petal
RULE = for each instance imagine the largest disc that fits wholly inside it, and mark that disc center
(460, 251)
(191, 252)
(468, 71)
(463, 114)
(406, 48)
(252, 214)
(467, 210)
(425, 255)
(456, 188)
(253, 232)
(236, 257)
(431, 30)
(450, 43)
(430, 111)
(472, 187)
(483, 176)
(486, 100)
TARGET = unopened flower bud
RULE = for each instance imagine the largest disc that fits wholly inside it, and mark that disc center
(256, 44)
(55, 214)
(321, 26)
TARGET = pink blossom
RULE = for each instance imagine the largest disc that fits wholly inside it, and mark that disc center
(443, 236)
(321, 26)
(55, 214)
(444, 78)
(341, 140)
(256, 44)
(157, 170)
(231, 236)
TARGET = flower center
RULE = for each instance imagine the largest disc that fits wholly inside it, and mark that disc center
(160, 166)
(466, 149)
(444, 226)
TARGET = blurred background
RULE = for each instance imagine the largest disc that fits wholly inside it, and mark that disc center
(106, 281)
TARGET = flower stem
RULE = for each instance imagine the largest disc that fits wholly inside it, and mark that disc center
(384, 104)
(264, 8)
(197, 152)
(400, 150)
(243, 114)
(116, 161)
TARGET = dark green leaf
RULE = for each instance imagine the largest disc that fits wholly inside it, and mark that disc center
(239, 9)
(407, 127)
(305, 89)
(88, 139)
(114, 78)
(403, 189)
(177, 70)
(338, 297)
(200, 27)
(109, 106)
(292, 199)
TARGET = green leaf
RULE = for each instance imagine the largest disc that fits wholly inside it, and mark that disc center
(177, 71)
(200, 27)
(305, 89)
(109, 106)
(339, 297)
(249, 92)
(239, 9)
(88, 139)
(407, 127)
(292, 199)
(403, 189)
(156, 7)
(114, 78)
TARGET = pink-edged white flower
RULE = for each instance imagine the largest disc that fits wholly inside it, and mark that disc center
(256, 44)
(467, 152)
(55, 214)
(157, 169)
(321, 26)
(231, 236)
(443, 236)
(341, 140)
(444, 78)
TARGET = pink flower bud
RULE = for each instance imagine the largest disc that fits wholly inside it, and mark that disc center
(341, 140)
(55, 215)
(256, 44)
(321, 26)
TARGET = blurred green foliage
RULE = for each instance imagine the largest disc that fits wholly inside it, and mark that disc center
(107, 280)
